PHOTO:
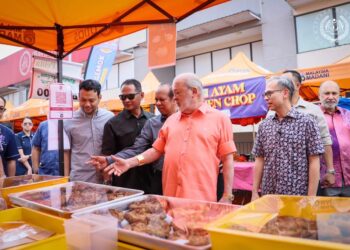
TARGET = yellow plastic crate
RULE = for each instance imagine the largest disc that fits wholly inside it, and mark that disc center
(4, 192)
(39, 219)
(256, 214)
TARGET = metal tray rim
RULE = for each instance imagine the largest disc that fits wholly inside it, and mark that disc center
(23, 202)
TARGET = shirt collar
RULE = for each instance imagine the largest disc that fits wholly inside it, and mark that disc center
(300, 103)
(337, 110)
(129, 115)
(202, 109)
(292, 113)
(83, 114)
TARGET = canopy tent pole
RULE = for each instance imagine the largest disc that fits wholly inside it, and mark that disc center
(60, 46)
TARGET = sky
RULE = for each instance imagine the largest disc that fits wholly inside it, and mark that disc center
(6, 50)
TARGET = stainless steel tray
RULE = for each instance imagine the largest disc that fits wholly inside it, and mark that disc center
(52, 199)
(26, 180)
(149, 241)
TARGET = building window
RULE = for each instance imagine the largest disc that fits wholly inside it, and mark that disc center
(323, 29)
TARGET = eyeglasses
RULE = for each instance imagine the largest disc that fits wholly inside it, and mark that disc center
(268, 94)
(27, 123)
(128, 96)
(2, 109)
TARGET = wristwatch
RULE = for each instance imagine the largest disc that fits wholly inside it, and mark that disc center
(330, 171)
(140, 159)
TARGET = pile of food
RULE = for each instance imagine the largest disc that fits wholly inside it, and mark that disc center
(74, 197)
(331, 228)
(158, 217)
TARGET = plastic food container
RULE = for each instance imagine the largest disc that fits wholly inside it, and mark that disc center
(42, 220)
(64, 199)
(285, 222)
(162, 222)
(27, 182)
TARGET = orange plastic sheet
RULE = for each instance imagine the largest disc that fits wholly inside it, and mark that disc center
(84, 23)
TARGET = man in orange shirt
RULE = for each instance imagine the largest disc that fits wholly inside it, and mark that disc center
(194, 140)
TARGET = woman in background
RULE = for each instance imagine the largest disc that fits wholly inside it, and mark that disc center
(24, 145)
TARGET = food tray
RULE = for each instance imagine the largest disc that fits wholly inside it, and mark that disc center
(64, 199)
(188, 215)
(39, 219)
(23, 183)
(285, 222)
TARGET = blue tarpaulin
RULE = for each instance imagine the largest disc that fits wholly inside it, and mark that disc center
(344, 103)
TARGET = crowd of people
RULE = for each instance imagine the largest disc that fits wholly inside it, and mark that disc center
(300, 149)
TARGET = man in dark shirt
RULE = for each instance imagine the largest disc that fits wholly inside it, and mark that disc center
(166, 106)
(8, 147)
(121, 131)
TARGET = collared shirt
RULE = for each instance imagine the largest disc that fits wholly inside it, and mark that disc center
(120, 132)
(24, 142)
(316, 112)
(144, 141)
(48, 158)
(8, 147)
(193, 146)
(85, 135)
(339, 128)
(285, 146)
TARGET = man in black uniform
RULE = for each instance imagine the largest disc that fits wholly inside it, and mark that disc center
(121, 131)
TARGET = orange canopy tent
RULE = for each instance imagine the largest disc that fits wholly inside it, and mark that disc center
(36, 109)
(239, 68)
(313, 77)
(58, 27)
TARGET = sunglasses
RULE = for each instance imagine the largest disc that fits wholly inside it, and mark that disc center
(128, 96)
(2, 109)
(27, 123)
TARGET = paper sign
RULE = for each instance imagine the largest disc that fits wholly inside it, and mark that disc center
(61, 101)
(53, 136)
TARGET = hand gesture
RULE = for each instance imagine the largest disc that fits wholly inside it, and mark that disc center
(99, 162)
(119, 166)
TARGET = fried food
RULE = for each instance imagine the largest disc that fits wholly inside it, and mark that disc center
(291, 226)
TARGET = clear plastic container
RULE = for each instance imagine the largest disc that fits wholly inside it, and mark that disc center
(65, 199)
(23, 183)
(91, 232)
(285, 222)
(160, 222)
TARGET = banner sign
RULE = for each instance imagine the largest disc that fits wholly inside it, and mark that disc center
(239, 99)
(45, 73)
(61, 101)
(161, 45)
(100, 61)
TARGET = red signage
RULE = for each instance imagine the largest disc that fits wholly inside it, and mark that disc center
(17, 67)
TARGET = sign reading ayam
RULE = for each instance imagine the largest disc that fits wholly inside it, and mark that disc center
(45, 73)
(240, 99)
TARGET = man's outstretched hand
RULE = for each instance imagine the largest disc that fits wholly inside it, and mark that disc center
(99, 162)
(119, 167)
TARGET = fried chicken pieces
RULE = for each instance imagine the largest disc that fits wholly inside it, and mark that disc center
(150, 216)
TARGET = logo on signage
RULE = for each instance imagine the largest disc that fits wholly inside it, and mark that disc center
(25, 36)
(25, 63)
(332, 29)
